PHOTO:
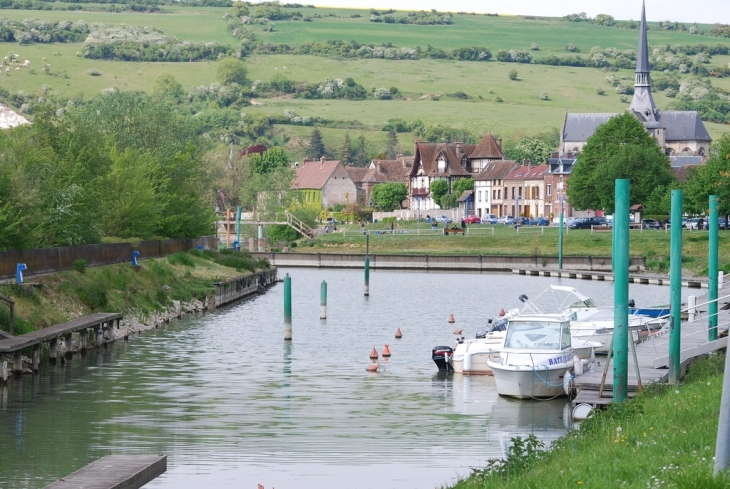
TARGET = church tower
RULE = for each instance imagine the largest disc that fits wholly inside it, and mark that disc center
(643, 104)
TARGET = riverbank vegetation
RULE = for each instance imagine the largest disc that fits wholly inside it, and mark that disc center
(59, 297)
(665, 437)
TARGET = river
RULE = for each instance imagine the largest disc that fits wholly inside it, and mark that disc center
(233, 405)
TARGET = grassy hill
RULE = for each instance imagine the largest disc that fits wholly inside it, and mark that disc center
(512, 109)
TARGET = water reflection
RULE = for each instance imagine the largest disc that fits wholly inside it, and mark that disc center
(233, 405)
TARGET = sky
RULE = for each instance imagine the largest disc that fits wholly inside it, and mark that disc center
(701, 11)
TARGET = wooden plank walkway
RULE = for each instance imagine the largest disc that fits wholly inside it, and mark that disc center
(652, 357)
(115, 472)
(46, 334)
(640, 278)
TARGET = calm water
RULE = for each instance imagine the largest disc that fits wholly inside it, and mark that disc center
(233, 405)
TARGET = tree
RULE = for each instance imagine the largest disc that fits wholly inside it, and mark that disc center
(712, 178)
(239, 9)
(462, 185)
(361, 156)
(269, 160)
(439, 188)
(230, 70)
(388, 196)
(167, 84)
(620, 148)
(316, 146)
(513, 74)
(535, 150)
(448, 201)
(346, 153)
(392, 148)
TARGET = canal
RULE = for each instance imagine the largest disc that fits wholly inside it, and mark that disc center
(233, 405)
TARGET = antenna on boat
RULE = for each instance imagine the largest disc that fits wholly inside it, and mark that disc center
(523, 298)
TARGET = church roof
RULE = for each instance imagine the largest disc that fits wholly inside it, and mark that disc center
(642, 54)
(579, 127)
(683, 125)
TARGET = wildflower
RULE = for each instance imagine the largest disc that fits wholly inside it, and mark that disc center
(708, 383)
(677, 391)
(580, 482)
(618, 429)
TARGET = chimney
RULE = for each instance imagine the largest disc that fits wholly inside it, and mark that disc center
(554, 154)
(321, 162)
(458, 148)
(529, 165)
(499, 144)
(306, 159)
(569, 155)
(379, 167)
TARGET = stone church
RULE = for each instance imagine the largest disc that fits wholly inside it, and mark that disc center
(677, 132)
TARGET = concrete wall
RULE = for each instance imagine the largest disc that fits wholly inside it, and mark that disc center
(45, 260)
(500, 263)
(245, 285)
(410, 214)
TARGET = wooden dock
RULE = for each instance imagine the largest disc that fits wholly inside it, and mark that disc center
(653, 358)
(99, 323)
(608, 277)
(115, 472)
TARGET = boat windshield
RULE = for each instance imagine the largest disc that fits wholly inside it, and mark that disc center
(538, 335)
(582, 304)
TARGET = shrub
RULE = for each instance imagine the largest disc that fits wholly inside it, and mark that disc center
(93, 294)
(282, 232)
(94, 72)
(181, 259)
(544, 96)
(512, 74)
(600, 91)
(80, 266)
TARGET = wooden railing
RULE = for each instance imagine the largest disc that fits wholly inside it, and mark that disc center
(299, 225)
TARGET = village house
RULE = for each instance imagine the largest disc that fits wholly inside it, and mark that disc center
(324, 183)
(524, 191)
(379, 171)
(489, 186)
(450, 162)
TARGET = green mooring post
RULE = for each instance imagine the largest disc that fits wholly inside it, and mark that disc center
(620, 260)
(238, 226)
(560, 241)
(287, 307)
(712, 322)
(675, 287)
(367, 276)
(323, 301)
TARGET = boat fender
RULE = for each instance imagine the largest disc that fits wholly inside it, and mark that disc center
(567, 382)
(467, 362)
(577, 366)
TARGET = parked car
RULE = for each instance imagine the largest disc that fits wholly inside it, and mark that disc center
(541, 221)
(567, 222)
(523, 221)
(472, 220)
(584, 223)
(506, 220)
(721, 223)
(443, 219)
(693, 223)
(489, 219)
(651, 224)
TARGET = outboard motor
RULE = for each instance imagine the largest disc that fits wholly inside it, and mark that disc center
(441, 356)
(481, 334)
(632, 303)
(500, 325)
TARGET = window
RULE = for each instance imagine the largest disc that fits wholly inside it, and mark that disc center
(480, 196)
(519, 191)
(538, 335)
(549, 190)
(513, 192)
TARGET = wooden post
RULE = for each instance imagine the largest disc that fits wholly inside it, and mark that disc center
(18, 364)
(98, 335)
(4, 372)
(53, 351)
(69, 345)
(84, 338)
(36, 357)
(12, 318)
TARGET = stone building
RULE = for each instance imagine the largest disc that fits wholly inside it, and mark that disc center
(324, 183)
(489, 187)
(676, 132)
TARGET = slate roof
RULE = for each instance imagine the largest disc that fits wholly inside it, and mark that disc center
(642, 53)
(579, 127)
(465, 195)
(554, 165)
(496, 170)
(526, 172)
(680, 161)
(314, 174)
(683, 125)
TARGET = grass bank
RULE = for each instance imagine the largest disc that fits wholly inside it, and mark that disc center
(663, 438)
(59, 297)
(652, 245)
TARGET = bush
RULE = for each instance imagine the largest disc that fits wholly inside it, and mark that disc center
(181, 259)
(282, 232)
(544, 96)
(80, 266)
(512, 74)
(93, 294)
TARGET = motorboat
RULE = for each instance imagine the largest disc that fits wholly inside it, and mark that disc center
(536, 357)
(471, 355)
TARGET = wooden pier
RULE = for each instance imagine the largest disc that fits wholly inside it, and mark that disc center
(608, 277)
(99, 323)
(653, 359)
(240, 287)
(115, 472)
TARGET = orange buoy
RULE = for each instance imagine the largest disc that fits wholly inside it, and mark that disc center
(501, 312)
(374, 354)
(386, 351)
(458, 331)
(398, 334)
(373, 367)
(451, 318)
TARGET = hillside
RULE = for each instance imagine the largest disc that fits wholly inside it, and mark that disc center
(473, 96)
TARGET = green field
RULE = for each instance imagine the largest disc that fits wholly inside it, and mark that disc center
(521, 111)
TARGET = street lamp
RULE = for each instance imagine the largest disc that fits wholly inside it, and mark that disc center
(560, 231)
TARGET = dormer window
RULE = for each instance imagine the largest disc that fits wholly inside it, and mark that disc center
(442, 165)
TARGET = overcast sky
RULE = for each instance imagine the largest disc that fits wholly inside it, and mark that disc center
(702, 11)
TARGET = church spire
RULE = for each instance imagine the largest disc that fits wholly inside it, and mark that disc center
(643, 103)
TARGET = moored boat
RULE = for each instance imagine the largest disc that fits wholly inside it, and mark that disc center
(535, 358)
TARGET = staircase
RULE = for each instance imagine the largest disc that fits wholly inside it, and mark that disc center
(298, 225)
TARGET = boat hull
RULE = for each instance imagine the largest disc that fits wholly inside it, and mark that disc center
(525, 383)
(479, 365)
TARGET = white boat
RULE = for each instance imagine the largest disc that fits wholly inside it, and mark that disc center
(535, 358)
